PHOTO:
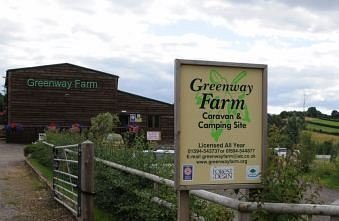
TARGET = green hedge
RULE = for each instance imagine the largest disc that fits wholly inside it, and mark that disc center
(128, 196)
(40, 152)
(44, 154)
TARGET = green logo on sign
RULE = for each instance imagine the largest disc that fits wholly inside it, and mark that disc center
(222, 101)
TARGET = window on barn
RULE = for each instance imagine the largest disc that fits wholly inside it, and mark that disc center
(153, 121)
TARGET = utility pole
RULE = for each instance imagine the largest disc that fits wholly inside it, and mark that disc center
(304, 103)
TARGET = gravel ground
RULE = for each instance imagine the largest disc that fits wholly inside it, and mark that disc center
(22, 196)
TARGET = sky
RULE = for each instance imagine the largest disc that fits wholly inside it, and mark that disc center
(139, 40)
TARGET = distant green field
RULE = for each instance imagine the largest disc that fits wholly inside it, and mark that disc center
(323, 122)
(322, 126)
(321, 137)
(323, 129)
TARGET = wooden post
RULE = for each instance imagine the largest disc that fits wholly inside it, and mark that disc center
(240, 215)
(87, 181)
(183, 205)
(244, 216)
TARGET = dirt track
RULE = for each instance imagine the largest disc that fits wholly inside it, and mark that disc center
(22, 196)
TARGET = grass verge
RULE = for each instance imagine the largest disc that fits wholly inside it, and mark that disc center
(327, 172)
(47, 173)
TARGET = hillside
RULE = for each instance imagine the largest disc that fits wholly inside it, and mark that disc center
(322, 129)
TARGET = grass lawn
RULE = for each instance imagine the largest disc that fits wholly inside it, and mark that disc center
(100, 215)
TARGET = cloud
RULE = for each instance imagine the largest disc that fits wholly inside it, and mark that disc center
(139, 40)
(325, 5)
(299, 89)
(151, 79)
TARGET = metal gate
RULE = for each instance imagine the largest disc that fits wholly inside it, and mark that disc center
(67, 176)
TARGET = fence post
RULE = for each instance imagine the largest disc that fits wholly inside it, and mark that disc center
(242, 215)
(183, 205)
(87, 181)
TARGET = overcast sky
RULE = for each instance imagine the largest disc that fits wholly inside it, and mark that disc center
(139, 40)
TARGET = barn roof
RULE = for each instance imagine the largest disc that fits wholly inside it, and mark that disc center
(59, 65)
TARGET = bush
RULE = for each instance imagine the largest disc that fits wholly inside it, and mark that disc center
(64, 138)
(44, 153)
(102, 125)
(41, 152)
(284, 181)
(128, 196)
(29, 149)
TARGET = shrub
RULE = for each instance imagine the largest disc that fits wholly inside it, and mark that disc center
(102, 125)
(283, 181)
(41, 152)
(64, 138)
(128, 196)
(29, 149)
(44, 153)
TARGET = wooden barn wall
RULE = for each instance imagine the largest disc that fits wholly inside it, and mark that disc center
(134, 104)
(34, 106)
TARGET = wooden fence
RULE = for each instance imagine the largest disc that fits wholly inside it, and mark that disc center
(244, 209)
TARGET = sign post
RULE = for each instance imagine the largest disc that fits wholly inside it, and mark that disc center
(220, 124)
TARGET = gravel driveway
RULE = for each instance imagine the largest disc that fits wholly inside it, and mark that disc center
(22, 196)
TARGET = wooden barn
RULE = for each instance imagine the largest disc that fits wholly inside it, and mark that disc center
(62, 95)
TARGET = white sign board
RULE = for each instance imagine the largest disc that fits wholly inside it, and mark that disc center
(153, 135)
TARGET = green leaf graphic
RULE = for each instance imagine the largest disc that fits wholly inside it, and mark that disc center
(198, 99)
(240, 76)
(216, 78)
(246, 116)
(216, 133)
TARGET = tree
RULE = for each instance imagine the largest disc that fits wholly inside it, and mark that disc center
(102, 125)
(335, 114)
(276, 120)
(276, 137)
(284, 114)
(313, 112)
(307, 151)
(294, 125)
